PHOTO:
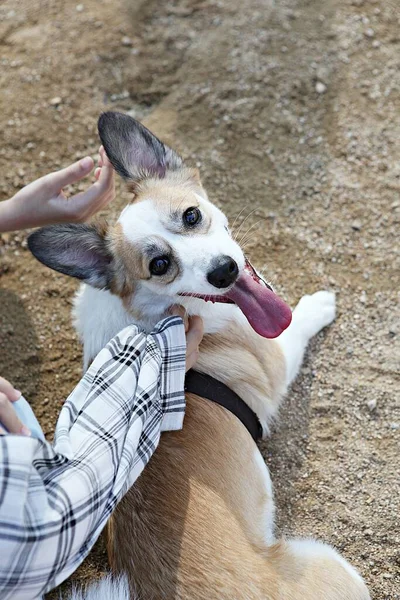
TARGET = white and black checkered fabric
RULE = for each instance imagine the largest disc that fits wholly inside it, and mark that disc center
(56, 499)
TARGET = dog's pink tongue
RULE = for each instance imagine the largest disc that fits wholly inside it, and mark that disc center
(265, 311)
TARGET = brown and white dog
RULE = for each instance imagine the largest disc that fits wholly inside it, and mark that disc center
(199, 522)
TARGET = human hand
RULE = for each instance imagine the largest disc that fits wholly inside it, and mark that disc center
(8, 417)
(194, 334)
(43, 202)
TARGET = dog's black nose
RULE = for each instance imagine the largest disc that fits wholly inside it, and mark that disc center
(224, 273)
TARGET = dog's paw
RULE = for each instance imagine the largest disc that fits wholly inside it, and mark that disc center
(316, 311)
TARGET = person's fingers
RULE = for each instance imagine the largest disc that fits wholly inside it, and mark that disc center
(71, 174)
(99, 194)
(97, 172)
(2, 431)
(9, 419)
(192, 359)
(194, 335)
(100, 161)
(7, 389)
(179, 311)
(104, 157)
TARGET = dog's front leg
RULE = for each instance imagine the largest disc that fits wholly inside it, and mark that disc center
(312, 314)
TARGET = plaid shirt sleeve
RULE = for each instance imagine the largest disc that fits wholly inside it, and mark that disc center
(56, 499)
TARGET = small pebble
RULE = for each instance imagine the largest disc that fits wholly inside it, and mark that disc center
(126, 41)
(372, 405)
(369, 532)
(320, 87)
(55, 101)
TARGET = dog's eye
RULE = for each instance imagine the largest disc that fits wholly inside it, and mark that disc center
(159, 265)
(192, 216)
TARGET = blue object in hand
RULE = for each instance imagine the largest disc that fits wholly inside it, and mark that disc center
(27, 416)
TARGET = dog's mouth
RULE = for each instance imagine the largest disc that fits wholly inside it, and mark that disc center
(265, 311)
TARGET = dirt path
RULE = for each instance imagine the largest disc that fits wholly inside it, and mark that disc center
(292, 112)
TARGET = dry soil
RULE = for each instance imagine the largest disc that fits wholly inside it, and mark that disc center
(292, 113)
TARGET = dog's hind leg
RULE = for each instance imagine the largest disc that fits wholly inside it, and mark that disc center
(312, 314)
(311, 570)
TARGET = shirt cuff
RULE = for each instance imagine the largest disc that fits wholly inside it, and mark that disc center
(171, 339)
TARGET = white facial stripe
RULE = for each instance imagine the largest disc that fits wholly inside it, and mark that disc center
(140, 221)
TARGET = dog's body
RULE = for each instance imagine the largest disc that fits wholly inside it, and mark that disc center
(199, 522)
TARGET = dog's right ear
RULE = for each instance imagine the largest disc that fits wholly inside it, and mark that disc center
(133, 150)
(78, 250)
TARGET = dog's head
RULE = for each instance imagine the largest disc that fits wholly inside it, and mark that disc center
(170, 242)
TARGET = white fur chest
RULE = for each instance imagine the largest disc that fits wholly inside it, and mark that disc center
(99, 315)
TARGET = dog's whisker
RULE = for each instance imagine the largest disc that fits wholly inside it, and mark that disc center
(238, 216)
(240, 225)
(246, 235)
(251, 227)
(236, 235)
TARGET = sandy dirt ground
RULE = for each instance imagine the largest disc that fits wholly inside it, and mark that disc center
(292, 113)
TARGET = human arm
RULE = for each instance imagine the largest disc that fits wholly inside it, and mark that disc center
(54, 501)
(17, 417)
(44, 202)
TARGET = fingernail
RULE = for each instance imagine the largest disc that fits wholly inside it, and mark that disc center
(17, 395)
(26, 431)
(86, 162)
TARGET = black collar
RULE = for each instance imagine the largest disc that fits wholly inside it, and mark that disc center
(216, 391)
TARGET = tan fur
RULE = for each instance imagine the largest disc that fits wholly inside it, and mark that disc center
(172, 196)
(191, 527)
(184, 179)
(176, 192)
(181, 531)
(249, 364)
(129, 265)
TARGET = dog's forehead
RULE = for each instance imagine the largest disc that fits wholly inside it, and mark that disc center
(158, 210)
(140, 220)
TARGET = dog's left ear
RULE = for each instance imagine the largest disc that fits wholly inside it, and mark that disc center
(133, 150)
(77, 250)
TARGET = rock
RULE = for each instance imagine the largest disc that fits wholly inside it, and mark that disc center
(356, 225)
(372, 405)
(55, 101)
(79, 7)
(126, 41)
(320, 87)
